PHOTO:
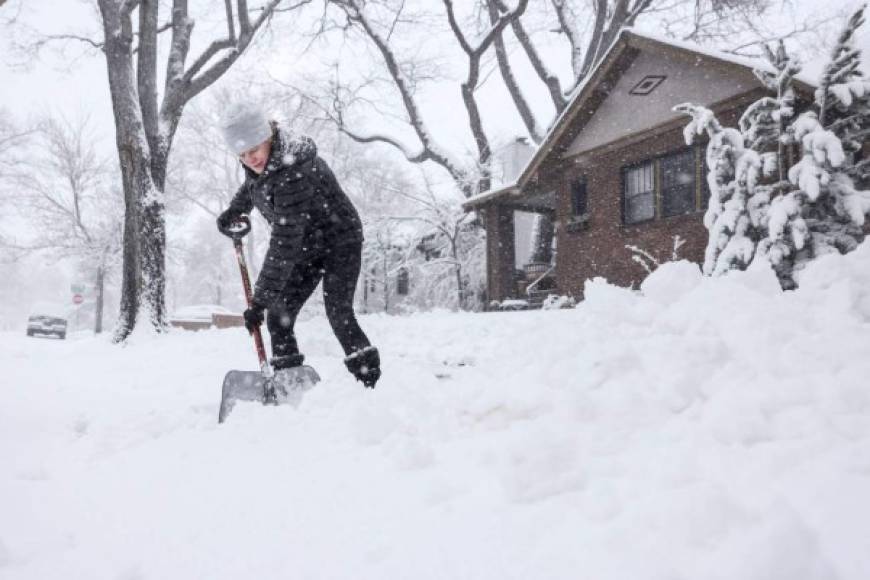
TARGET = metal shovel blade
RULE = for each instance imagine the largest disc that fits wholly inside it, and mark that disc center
(285, 388)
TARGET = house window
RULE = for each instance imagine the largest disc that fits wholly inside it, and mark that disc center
(671, 185)
(578, 197)
(639, 193)
(678, 183)
(403, 282)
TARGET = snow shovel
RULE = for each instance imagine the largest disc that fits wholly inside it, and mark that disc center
(260, 385)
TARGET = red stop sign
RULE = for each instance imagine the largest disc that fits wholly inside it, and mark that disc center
(78, 299)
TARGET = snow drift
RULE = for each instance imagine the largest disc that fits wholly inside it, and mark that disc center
(698, 428)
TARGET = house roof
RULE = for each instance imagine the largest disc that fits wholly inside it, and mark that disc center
(628, 37)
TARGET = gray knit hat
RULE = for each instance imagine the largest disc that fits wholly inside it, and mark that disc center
(245, 126)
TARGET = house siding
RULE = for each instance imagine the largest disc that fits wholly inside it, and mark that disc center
(599, 248)
(686, 78)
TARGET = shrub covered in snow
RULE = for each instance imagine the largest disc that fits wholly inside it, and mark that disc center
(555, 302)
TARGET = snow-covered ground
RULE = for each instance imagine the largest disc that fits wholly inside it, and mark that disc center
(707, 429)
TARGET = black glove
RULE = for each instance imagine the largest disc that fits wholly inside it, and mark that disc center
(226, 220)
(253, 316)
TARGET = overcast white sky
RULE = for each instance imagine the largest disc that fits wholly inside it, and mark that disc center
(70, 79)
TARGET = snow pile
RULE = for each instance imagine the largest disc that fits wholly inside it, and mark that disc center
(699, 428)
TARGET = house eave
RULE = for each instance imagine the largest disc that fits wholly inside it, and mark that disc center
(490, 196)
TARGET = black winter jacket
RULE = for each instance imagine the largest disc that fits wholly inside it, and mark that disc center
(301, 199)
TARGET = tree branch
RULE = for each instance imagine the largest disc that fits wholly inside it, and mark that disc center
(494, 31)
(231, 25)
(546, 76)
(127, 7)
(510, 80)
(244, 18)
(196, 84)
(65, 37)
(146, 67)
(430, 151)
(457, 31)
(182, 28)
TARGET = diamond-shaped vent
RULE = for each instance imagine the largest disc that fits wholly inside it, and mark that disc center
(647, 84)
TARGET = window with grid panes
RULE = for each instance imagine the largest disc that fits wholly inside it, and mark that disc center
(639, 193)
(678, 183)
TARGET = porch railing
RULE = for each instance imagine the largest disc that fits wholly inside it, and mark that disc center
(542, 270)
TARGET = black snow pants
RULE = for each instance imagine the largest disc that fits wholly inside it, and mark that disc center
(339, 268)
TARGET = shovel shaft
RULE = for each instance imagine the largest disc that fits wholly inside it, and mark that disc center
(249, 296)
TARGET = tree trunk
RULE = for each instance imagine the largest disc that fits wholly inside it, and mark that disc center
(99, 297)
(133, 154)
(130, 279)
(460, 290)
(154, 241)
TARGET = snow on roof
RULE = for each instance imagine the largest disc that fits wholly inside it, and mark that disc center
(744, 61)
(484, 196)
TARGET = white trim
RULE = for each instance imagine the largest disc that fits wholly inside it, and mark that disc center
(480, 198)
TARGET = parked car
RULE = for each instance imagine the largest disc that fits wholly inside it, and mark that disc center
(47, 320)
(202, 316)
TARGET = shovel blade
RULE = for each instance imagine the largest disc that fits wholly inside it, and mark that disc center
(241, 386)
(286, 388)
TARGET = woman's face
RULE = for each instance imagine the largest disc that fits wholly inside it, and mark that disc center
(255, 159)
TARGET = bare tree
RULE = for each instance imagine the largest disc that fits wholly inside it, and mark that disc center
(468, 181)
(64, 190)
(146, 122)
(12, 140)
(446, 245)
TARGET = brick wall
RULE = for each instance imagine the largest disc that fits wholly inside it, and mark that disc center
(499, 223)
(598, 249)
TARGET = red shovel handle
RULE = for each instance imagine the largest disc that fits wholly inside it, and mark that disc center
(246, 282)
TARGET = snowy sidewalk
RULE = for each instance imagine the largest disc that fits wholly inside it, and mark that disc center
(707, 429)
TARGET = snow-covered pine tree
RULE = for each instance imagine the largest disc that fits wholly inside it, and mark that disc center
(735, 209)
(764, 122)
(765, 126)
(822, 211)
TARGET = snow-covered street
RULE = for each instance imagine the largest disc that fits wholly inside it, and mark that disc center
(709, 428)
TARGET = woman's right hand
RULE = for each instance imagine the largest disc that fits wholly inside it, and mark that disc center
(225, 222)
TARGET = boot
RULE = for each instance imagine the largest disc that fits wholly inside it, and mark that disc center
(365, 365)
(287, 361)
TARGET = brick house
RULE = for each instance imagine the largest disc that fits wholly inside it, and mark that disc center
(614, 169)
